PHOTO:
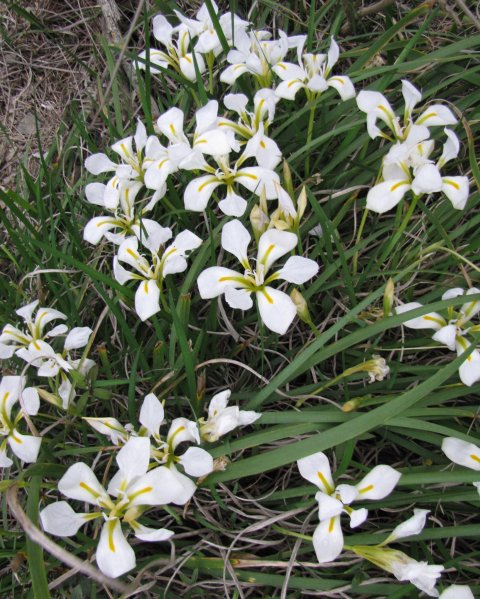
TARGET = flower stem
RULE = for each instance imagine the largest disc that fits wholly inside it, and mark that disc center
(357, 241)
(403, 225)
(311, 120)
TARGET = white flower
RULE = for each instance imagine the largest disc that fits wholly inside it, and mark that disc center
(313, 74)
(276, 308)
(256, 54)
(125, 218)
(223, 419)
(12, 338)
(462, 452)
(333, 500)
(425, 178)
(134, 489)
(411, 527)
(151, 273)
(132, 168)
(421, 574)
(451, 330)
(203, 28)
(176, 55)
(25, 447)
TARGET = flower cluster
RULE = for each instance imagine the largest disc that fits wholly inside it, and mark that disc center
(451, 329)
(407, 166)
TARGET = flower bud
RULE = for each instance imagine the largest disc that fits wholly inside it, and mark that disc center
(388, 297)
(259, 221)
(287, 177)
(301, 305)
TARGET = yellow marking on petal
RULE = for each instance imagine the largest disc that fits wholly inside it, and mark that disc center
(475, 457)
(339, 79)
(111, 526)
(385, 110)
(268, 252)
(36, 346)
(324, 482)
(201, 141)
(267, 297)
(188, 59)
(172, 128)
(127, 191)
(104, 222)
(238, 66)
(16, 439)
(249, 175)
(262, 144)
(397, 185)
(88, 489)
(132, 254)
(162, 162)
(366, 489)
(292, 82)
(124, 149)
(427, 116)
(204, 184)
(282, 66)
(145, 287)
(433, 319)
(331, 525)
(452, 183)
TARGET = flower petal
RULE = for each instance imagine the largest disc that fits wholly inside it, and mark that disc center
(447, 336)
(99, 163)
(197, 462)
(213, 281)
(432, 320)
(152, 414)
(236, 239)
(276, 308)
(298, 270)
(79, 482)
(378, 483)
(316, 469)
(61, 520)
(462, 452)
(328, 540)
(457, 190)
(24, 447)
(274, 244)
(144, 533)
(147, 299)
(134, 457)
(385, 196)
(114, 555)
(198, 192)
(77, 338)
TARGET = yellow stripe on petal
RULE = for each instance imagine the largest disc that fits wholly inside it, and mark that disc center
(452, 183)
(366, 489)
(331, 525)
(474, 457)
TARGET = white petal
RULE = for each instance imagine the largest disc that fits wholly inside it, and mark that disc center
(11, 388)
(94, 193)
(451, 147)
(457, 190)
(79, 482)
(60, 329)
(236, 239)
(461, 452)
(378, 483)
(233, 204)
(171, 125)
(5, 461)
(288, 89)
(199, 191)
(411, 527)
(469, 371)
(99, 163)
(6, 351)
(343, 85)
(144, 533)
(257, 178)
(316, 469)
(276, 308)
(186, 487)
(432, 320)
(134, 457)
(387, 195)
(182, 430)
(328, 540)
(24, 447)
(152, 234)
(147, 299)
(31, 401)
(470, 308)
(265, 150)
(411, 96)
(122, 275)
(456, 591)
(77, 338)
(246, 417)
(162, 30)
(232, 73)
(328, 506)
(59, 519)
(197, 462)
(454, 292)
(213, 281)
(298, 270)
(212, 143)
(218, 402)
(446, 336)
(236, 102)
(152, 414)
(358, 517)
(347, 493)
(109, 427)
(239, 299)
(274, 244)
(436, 115)
(114, 555)
(140, 136)
(427, 179)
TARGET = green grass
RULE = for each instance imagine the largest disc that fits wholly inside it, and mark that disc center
(186, 354)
